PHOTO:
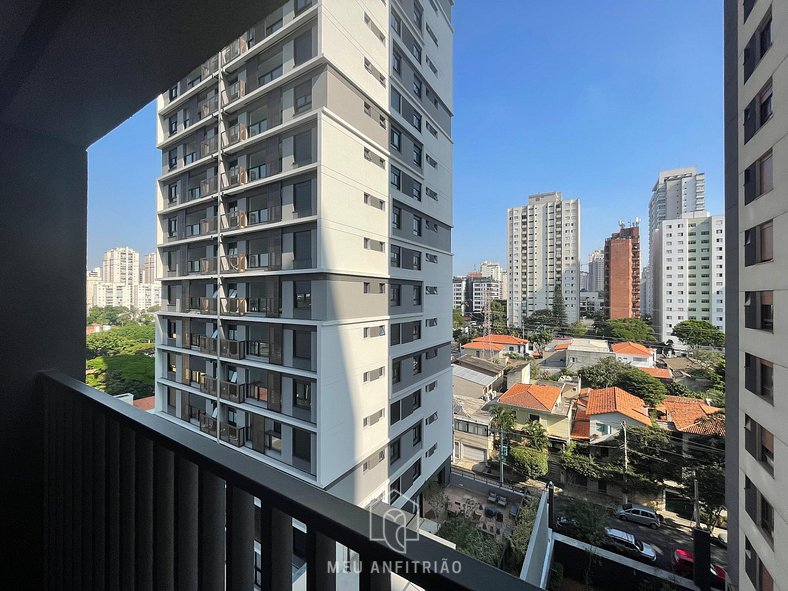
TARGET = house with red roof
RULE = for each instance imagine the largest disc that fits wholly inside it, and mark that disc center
(601, 412)
(700, 425)
(496, 346)
(550, 404)
(634, 354)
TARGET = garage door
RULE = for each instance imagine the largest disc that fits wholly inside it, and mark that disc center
(474, 454)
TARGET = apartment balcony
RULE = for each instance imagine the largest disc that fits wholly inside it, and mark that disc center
(234, 263)
(235, 49)
(233, 306)
(232, 392)
(207, 424)
(233, 435)
(208, 106)
(207, 265)
(120, 482)
(207, 345)
(239, 133)
(243, 219)
(206, 187)
(208, 305)
(233, 92)
(232, 349)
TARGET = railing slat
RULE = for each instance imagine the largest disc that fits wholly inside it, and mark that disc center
(113, 504)
(77, 461)
(100, 480)
(276, 548)
(88, 492)
(143, 521)
(60, 484)
(240, 540)
(186, 515)
(68, 492)
(212, 499)
(164, 517)
(320, 551)
(127, 505)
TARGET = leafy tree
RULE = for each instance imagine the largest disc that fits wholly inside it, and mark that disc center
(559, 306)
(498, 315)
(653, 453)
(435, 496)
(699, 333)
(678, 389)
(457, 319)
(642, 385)
(602, 374)
(578, 329)
(521, 536)
(541, 338)
(711, 491)
(503, 419)
(118, 341)
(114, 315)
(531, 462)
(717, 397)
(121, 374)
(589, 519)
(627, 329)
(470, 540)
(536, 435)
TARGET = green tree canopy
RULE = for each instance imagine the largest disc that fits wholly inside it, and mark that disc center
(559, 306)
(121, 374)
(602, 374)
(114, 315)
(503, 419)
(528, 461)
(642, 385)
(119, 340)
(699, 333)
(627, 329)
(457, 319)
(536, 435)
(589, 519)
(470, 540)
(653, 453)
(711, 490)
(578, 329)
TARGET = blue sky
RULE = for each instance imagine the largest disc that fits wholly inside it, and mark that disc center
(589, 98)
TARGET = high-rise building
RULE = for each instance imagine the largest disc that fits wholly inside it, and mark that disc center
(543, 254)
(148, 269)
(459, 286)
(689, 269)
(93, 279)
(121, 265)
(113, 294)
(596, 271)
(756, 148)
(304, 243)
(646, 297)
(483, 289)
(622, 274)
(497, 273)
(677, 191)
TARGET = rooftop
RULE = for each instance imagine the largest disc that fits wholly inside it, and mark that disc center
(630, 348)
(532, 396)
(686, 413)
(471, 408)
(616, 400)
(589, 345)
(482, 346)
(661, 373)
(479, 364)
(471, 375)
(501, 339)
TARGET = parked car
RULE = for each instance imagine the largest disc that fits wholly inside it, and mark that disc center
(625, 543)
(638, 514)
(566, 525)
(683, 563)
(721, 539)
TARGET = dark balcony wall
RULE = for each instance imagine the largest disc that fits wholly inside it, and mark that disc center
(43, 303)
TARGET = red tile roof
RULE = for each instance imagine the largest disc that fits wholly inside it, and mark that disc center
(713, 425)
(661, 373)
(501, 339)
(630, 348)
(581, 426)
(148, 403)
(686, 413)
(483, 346)
(617, 400)
(533, 396)
(561, 347)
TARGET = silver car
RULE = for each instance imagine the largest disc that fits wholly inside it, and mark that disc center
(628, 545)
(638, 514)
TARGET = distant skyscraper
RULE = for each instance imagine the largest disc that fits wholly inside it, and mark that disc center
(497, 273)
(93, 279)
(646, 296)
(622, 274)
(459, 285)
(596, 271)
(148, 269)
(543, 251)
(121, 265)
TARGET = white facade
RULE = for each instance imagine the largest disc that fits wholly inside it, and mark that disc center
(459, 286)
(646, 295)
(113, 294)
(497, 273)
(676, 192)
(543, 250)
(306, 266)
(121, 265)
(147, 295)
(482, 290)
(689, 268)
(596, 271)
(148, 269)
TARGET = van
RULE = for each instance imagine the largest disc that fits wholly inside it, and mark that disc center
(638, 514)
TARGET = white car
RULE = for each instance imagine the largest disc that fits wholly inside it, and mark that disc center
(628, 545)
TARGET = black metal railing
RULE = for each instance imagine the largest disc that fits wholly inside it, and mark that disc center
(134, 501)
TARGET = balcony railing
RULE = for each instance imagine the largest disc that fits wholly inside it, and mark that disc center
(210, 67)
(263, 306)
(207, 344)
(234, 263)
(208, 265)
(234, 177)
(208, 305)
(209, 146)
(208, 106)
(234, 91)
(236, 48)
(119, 481)
(207, 424)
(233, 435)
(234, 220)
(232, 349)
(209, 385)
(233, 306)
(235, 134)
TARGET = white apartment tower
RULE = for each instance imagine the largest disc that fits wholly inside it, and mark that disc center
(756, 183)
(459, 286)
(596, 271)
(497, 273)
(677, 191)
(304, 241)
(148, 269)
(689, 269)
(121, 265)
(543, 250)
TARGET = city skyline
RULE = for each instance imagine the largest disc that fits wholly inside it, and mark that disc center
(567, 151)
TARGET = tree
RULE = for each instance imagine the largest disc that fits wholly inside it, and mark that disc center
(530, 462)
(503, 419)
(118, 341)
(602, 374)
(435, 496)
(470, 540)
(114, 315)
(541, 338)
(559, 306)
(457, 319)
(679, 389)
(711, 491)
(699, 333)
(642, 385)
(627, 329)
(536, 434)
(498, 315)
(121, 374)
(589, 520)
(653, 453)
(578, 329)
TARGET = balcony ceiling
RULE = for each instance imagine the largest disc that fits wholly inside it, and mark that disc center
(75, 69)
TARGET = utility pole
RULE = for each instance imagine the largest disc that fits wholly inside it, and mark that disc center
(503, 451)
(626, 462)
(696, 503)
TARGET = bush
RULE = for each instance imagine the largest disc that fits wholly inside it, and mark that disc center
(531, 462)
(121, 374)
(470, 540)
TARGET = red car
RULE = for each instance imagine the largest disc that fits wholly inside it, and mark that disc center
(683, 562)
